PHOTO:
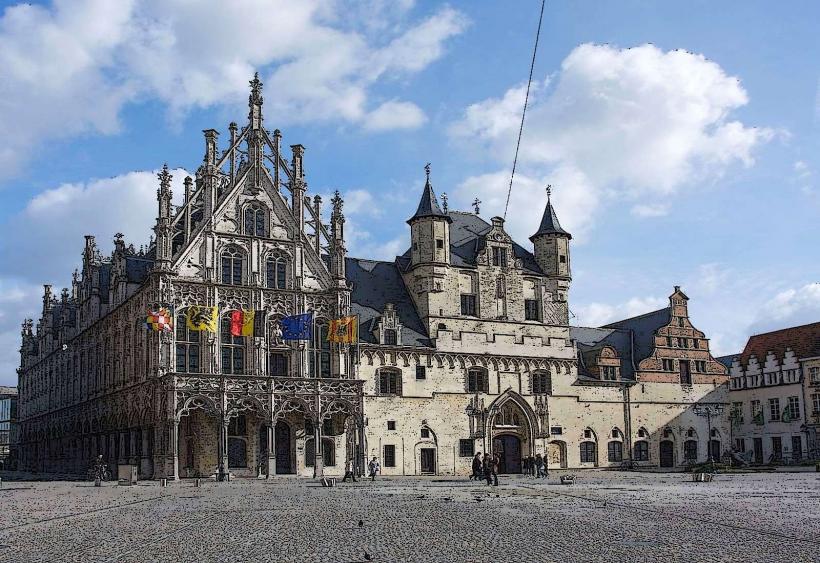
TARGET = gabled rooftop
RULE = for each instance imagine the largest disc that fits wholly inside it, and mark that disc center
(804, 340)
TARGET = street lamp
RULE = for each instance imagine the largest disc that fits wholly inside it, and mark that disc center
(708, 411)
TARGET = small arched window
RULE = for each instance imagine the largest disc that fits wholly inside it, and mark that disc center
(233, 348)
(641, 450)
(477, 381)
(389, 382)
(615, 451)
(232, 266)
(587, 452)
(541, 383)
(690, 450)
(276, 272)
(256, 223)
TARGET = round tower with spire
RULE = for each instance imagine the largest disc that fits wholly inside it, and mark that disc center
(551, 244)
(429, 229)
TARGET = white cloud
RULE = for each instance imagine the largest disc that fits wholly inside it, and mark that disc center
(70, 68)
(634, 123)
(598, 314)
(395, 115)
(650, 210)
(790, 307)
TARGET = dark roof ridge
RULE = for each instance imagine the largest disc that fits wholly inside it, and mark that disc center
(635, 317)
(784, 329)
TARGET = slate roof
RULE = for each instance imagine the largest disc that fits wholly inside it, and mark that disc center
(803, 340)
(137, 268)
(375, 284)
(428, 206)
(643, 329)
(105, 281)
(727, 360)
(7, 390)
(549, 223)
(591, 340)
(467, 239)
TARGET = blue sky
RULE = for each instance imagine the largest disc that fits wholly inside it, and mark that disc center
(681, 138)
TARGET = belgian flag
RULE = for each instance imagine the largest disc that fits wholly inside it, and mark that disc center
(248, 322)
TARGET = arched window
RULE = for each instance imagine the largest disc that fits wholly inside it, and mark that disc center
(256, 221)
(389, 382)
(642, 433)
(390, 336)
(233, 348)
(690, 451)
(276, 272)
(187, 350)
(319, 352)
(587, 452)
(477, 381)
(508, 416)
(615, 451)
(232, 266)
(641, 450)
(541, 383)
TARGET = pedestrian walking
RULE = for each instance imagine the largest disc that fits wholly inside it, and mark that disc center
(527, 465)
(350, 471)
(477, 468)
(494, 467)
(539, 466)
(533, 467)
(374, 468)
(488, 469)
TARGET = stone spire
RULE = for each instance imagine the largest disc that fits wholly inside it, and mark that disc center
(337, 246)
(255, 103)
(163, 226)
(549, 221)
(428, 206)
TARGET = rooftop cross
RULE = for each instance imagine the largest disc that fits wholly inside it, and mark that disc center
(476, 204)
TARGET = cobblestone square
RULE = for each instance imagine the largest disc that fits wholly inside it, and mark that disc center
(605, 516)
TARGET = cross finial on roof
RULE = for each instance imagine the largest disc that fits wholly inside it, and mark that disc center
(476, 204)
(549, 191)
(444, 202)
(427, 171)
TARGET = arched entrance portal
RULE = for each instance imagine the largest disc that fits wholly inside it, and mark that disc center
(667, 453)
(284, 463)
(508, 449)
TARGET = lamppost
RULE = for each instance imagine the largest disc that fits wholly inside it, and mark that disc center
(708, 411)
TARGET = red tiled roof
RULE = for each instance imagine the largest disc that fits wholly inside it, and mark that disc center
(803, 340)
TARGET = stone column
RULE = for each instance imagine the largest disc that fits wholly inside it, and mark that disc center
(223, 441)
(318, 461)
(174, 449)
(143, 436)
(271, 450)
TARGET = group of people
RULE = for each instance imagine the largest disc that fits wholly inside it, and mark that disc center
(372, 469)
(486, 467)
(535, 466)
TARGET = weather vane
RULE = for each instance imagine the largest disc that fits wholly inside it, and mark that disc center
(549, 191)
(444, 201)
(427, 171)
(476, 203)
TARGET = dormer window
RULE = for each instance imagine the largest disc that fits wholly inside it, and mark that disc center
(390, 337)
(499, 256)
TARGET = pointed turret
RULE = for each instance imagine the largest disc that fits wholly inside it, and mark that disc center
(163, 225)
(551, 243)
(429, 229)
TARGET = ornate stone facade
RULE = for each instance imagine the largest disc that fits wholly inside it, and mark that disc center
(465, 342)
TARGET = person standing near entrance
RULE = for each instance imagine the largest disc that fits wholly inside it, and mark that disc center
(494, 462)
(477, 468)
(488, 469)
(374, 468)
(539, 465)
(350, 471)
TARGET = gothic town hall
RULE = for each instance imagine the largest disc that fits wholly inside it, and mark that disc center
(464, 344)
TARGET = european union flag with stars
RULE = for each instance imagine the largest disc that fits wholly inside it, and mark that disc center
(298, 327)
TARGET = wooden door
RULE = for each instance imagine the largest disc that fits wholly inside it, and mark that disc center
(667, 453)
(428, 460)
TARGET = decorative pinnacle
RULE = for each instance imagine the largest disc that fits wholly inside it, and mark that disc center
(337, 203)
(256, 90)
(164, 177)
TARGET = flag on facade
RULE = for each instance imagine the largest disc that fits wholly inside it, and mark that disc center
(201, 318)
(160, 320)
(344, 330)
(248, 322)
(298, 327)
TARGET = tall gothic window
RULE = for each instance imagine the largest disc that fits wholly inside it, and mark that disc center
(541, 383)
(233, 348)
(187, 351)
(319, 354)
(276, 272)
(232, 266)
(255, 221)
(278, 363)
